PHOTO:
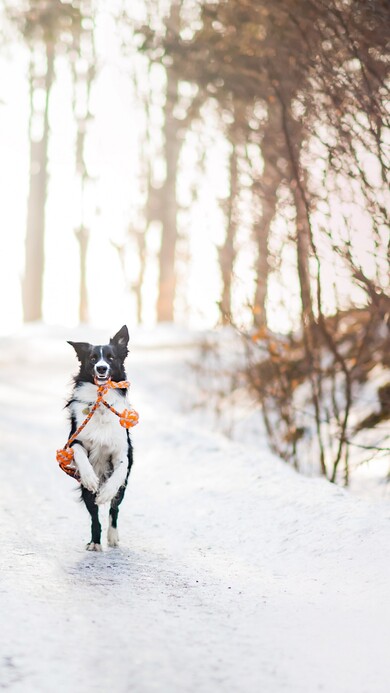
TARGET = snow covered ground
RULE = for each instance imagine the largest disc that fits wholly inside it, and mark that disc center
(234, 573)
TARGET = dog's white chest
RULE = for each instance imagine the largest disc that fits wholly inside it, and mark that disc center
(103, 429)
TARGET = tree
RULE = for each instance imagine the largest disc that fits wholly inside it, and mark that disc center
(319, 70)
(162, 203)
(227, 251)
(83, 63)
(44, 25)
(167, 193)
(299, 59)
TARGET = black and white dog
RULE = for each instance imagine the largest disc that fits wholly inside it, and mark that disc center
(103, 452)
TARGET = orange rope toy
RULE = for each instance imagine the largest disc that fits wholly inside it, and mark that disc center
(127, 419)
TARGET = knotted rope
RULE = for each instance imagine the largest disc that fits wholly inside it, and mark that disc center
(127, 419)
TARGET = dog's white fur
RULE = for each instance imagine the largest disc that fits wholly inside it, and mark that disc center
(112, 534)
(93, 547)
(102, 437)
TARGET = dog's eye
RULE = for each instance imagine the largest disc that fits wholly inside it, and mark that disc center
(93, 359)
(110, 358)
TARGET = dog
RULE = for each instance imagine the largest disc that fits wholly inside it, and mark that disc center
(103, 453)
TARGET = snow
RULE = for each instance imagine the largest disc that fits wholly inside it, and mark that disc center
(234, 573)
(236, 411)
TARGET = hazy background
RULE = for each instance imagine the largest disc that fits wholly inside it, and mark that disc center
(146, 135)
(209, 164)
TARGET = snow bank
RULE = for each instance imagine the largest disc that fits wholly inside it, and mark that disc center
(234, 573)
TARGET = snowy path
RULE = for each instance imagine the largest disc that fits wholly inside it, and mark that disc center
(234, 574)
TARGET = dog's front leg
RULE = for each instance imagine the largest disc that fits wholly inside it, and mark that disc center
(111, 487)
(87, 474)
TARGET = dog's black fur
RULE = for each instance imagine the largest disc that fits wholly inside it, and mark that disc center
(97, 365)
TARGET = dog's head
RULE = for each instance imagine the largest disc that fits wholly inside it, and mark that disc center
(100, 363)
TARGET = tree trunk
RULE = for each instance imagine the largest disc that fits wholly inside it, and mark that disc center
(82, 85)
(82, 235)
(141, 243)
(293, 138)
(167, 194)
(267, 186)
(35, 235)
(227, 252)
(303, 257)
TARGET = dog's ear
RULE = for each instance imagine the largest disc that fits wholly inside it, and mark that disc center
(121, 338)
(81, 349)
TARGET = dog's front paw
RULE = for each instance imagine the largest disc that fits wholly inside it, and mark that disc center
(89, 480)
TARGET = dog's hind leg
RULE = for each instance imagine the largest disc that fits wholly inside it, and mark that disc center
(112, 533)
(96, 530)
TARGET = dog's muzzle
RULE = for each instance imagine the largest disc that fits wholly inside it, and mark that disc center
(102, 372)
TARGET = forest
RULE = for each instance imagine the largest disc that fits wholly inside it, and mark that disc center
(222, 165)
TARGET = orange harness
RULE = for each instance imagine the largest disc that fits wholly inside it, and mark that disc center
(127, 419)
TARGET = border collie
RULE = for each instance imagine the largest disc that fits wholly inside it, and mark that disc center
(102, 451)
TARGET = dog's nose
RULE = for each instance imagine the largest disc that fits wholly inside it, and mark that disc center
(102, 370)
